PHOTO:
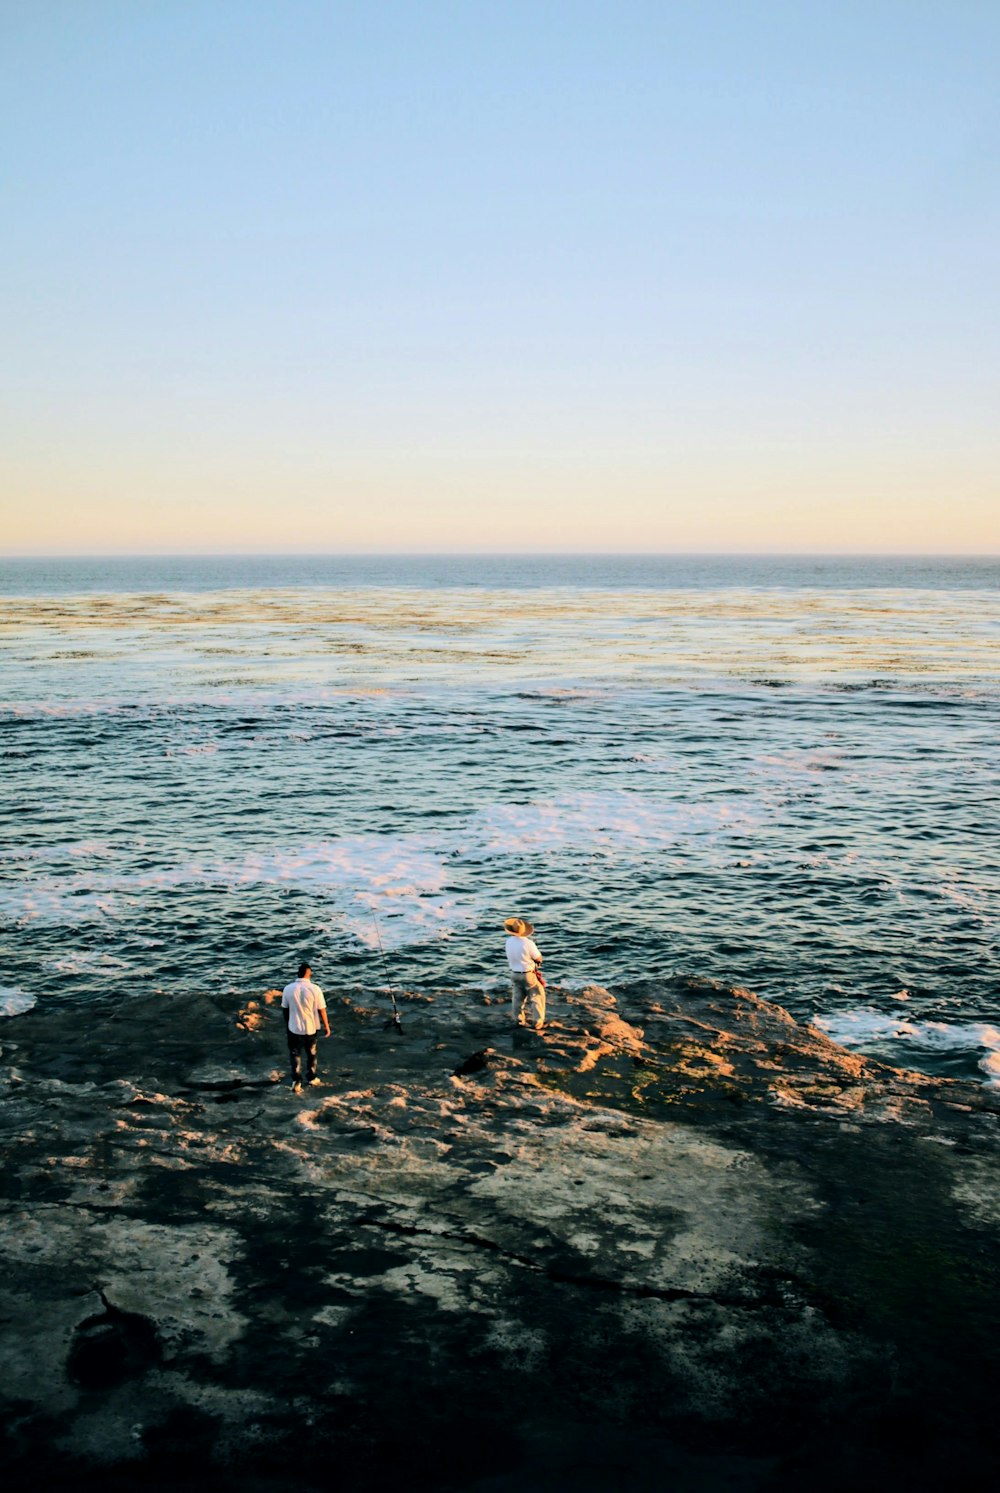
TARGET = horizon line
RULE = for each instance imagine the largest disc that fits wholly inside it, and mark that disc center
(500, 554)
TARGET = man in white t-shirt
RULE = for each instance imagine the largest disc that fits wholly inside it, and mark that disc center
(304, 1008)
(527, 991)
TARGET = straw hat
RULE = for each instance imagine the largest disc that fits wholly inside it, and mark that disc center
(514, 926)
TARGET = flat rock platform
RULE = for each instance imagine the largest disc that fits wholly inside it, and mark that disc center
(678, 1242)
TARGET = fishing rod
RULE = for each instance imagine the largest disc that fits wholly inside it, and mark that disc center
(396, 1022)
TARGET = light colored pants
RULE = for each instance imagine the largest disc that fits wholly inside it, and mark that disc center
(527, 998)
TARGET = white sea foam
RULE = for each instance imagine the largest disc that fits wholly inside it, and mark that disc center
(71, 900)
(800, 764)
(27, 709)
(393, 864)
(389, 883)
(388, 886)
(75, 849)
(616, 821)
(378, 884)
(866, 1027)
(396, 883)
(13, 1001)
(969, 895)
(396, 923)
(990, 1065)
(89, 962)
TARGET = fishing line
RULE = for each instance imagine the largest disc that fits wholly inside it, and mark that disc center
(396, 1019)
(385, 966)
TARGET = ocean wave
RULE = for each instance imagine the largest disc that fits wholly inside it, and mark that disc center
(14, 1002)
(395, 921)
(798, 764)
(65, 901)
(389, 887)
(89, 962)
(73, 849)
(401, 879)
(147, 701)
(613, 820)
(865, 1027)
(198, 749)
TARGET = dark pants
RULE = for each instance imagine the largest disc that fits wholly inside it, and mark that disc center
(297, 1045)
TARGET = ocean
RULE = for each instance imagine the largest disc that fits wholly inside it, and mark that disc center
(768, 771)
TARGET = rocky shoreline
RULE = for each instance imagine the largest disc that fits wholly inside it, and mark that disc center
(680, 1241)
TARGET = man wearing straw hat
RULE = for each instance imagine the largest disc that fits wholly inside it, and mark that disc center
(527, 991)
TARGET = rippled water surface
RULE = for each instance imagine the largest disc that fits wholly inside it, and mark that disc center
(777, 773)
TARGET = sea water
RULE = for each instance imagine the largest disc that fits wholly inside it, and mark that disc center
(778, 773)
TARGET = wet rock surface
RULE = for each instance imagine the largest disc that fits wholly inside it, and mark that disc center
(677, 1241)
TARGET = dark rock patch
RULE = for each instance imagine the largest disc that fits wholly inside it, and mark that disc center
(110, 1347)
(475, 1063)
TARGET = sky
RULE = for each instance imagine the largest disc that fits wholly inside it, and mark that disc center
(688, 275)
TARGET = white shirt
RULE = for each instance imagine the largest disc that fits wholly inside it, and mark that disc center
(521, 954)
(303, 999)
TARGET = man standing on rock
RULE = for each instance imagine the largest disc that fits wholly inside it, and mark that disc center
(304, 1008)
(523, 957)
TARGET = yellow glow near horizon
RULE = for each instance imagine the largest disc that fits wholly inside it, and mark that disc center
(461, 505)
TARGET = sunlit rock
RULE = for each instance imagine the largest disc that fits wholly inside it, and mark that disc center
(677, 1233)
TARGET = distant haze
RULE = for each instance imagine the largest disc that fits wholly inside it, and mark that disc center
(573, 276)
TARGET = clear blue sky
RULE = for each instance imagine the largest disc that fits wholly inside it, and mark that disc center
(500, 275)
